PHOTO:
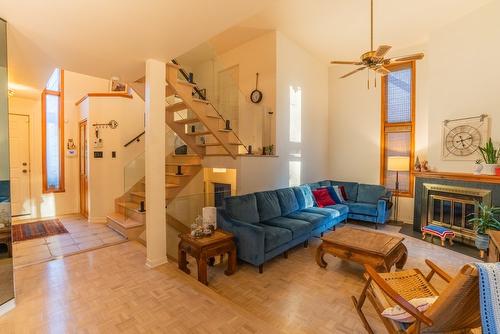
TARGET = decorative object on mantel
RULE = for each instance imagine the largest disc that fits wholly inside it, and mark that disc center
(478, 167)
(425, 166)
(462, 137)
(490, 156)
(483, 221)
(397, 164)
(417, 167)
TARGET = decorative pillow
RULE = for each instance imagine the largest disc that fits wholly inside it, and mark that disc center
(399, 314)
(323, 197)
(339, 194)
(333, 194)
(344, 193)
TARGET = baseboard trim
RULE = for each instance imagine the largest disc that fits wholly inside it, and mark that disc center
(8, 306)
(155, 263)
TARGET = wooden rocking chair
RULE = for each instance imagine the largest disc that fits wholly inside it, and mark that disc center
(455, 311)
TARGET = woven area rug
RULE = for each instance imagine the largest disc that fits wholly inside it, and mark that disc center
(39, 229)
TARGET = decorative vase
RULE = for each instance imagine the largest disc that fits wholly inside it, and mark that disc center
(477, 169)
(482, 241)
(489, 169)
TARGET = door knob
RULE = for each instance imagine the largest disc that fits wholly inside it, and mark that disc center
(25, 170)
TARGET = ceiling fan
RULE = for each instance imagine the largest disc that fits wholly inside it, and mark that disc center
(374, 60)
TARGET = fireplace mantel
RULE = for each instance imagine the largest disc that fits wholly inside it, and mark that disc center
(459, 176)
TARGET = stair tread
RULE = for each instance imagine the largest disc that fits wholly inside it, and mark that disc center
(214, 116)
(173, 65)
(187, 83)
(175, 175)
(200, 133)
(123, 221)
(187, 120)
(130, 205)
(201, 101)
(225, 130)
(217, 154)
(217, 144)
(170, 163)
(179, 104)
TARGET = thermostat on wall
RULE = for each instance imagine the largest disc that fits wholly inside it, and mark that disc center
(98, 154)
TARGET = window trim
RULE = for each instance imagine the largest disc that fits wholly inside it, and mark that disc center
(384, 124)
(59, 93)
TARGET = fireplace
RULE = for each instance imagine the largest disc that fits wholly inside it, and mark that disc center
(451, 207)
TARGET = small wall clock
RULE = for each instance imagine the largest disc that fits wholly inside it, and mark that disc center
(463, 136)
(256, 95)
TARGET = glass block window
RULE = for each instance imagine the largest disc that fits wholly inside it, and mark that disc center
(53, 134)
(398, 127)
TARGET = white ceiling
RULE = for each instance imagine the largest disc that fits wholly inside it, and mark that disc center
(114, 38)
(340, 29)
(111, 37)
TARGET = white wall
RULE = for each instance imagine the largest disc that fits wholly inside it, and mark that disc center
(107, 175)
(294, 67)
(455, 79)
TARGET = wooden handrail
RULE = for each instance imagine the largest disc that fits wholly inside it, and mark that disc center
(136, 138)
(111, 94)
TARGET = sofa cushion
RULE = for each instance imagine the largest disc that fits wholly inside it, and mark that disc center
(322, 197)
(297, 227)
(323, 211)
(325, 183)
(268, 205)
(369, 193)
(341, 208)
(304, 196)
(314, 185)
(242, 208)
(275, 236)
(287, 200)
(351, 189)
(314, 218)
(367, 209)
(333, 194)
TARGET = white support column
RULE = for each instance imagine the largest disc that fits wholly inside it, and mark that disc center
(156, 238)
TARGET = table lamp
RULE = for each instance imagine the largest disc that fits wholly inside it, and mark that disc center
(397, 164)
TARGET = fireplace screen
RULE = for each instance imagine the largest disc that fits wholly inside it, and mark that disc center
(452, 207)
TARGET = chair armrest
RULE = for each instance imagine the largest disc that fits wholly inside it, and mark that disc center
(437, 270)
(249, 238)
(397, 298)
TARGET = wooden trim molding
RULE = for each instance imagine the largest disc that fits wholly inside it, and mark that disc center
(384, 125)
(459, 176)
(124, 95)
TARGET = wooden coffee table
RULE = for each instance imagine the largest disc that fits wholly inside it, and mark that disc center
(379, 250)
(204, 250)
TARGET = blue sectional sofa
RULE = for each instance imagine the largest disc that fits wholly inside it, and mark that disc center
(269, 223)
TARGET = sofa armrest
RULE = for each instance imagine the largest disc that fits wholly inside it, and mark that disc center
(381, 211)
(249, 238)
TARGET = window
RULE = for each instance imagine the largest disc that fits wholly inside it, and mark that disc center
(53, 133)
(398, 124)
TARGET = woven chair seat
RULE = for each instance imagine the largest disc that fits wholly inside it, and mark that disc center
(410, 284)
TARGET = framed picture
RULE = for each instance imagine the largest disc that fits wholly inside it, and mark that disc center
(115, 85)
(463, 136)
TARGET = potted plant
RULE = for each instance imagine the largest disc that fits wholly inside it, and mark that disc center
(484, 221)
(478, 167)
(490, 157)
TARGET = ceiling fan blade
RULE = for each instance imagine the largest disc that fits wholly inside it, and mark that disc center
(416, 56)
(382, 70)
(352, 72)
(382, 51)
(341, 62)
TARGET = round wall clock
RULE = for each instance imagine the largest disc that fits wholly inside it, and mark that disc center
(462, 137)
(463, 140)
(256, 95)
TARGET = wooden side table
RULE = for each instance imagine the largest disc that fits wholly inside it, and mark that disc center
(204, 250)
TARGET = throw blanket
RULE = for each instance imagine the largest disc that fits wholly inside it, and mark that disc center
(489, 290)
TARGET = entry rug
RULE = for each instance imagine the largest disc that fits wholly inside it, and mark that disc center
(39, 229)
(489, 291)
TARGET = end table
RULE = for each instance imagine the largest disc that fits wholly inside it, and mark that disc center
(204, 250)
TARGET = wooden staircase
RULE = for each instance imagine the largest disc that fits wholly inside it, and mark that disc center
(186, 111)
(128, 220)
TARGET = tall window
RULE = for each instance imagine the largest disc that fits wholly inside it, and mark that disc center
(398, 124)
(53, 133)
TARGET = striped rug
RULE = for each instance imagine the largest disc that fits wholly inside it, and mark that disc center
(39, 229)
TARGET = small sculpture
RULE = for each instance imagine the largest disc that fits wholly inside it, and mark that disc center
(417, 166)
(425, 166)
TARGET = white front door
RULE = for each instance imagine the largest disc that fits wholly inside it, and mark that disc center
(19, 140)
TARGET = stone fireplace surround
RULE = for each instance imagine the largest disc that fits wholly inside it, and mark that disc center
(462, 185)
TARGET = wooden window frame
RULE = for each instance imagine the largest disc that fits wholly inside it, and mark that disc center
(395, 67)
(59, 93)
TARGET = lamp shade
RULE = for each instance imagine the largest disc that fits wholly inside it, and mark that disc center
(398, 164)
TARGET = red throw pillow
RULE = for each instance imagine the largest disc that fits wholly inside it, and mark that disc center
(344, 194)
(323, 197)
